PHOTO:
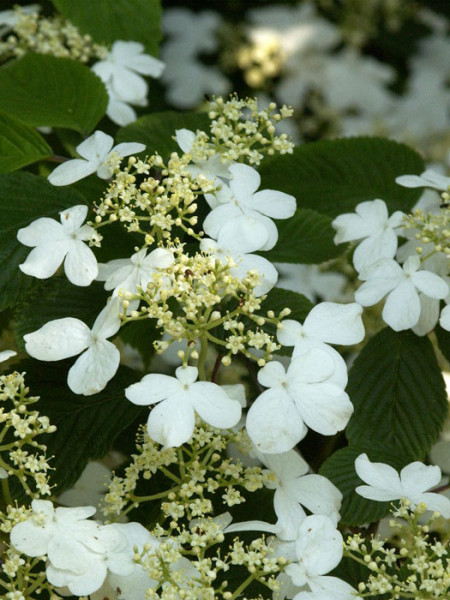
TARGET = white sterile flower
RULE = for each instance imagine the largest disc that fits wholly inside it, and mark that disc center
(90, 488)
(385, 484)
(309, 393)
(327, 323)
(110, 553)
(123, 67)
(237, 240)
(129, 273)
(212, 168)
(401, 285)
(372, 224)
(178, 399)
(63, 534)
(95, 152)
(319, 548)
(55, 242)
(133, 585)
(312, 282)
(240, 198)
(294, 487)
(63, 338)
(428, 178)
(6, 355)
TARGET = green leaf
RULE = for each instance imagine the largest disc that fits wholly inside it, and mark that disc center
(24, 198)
(339, 468)
(86, 425)
(19, 145)
(57, 298)
(398, 393)
(306, 238)
(42, 90)
(443, 340)
(156, 131)
(110, 20)
(333, 176)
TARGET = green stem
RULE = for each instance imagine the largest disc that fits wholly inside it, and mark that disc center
(6, 492)
(134, 498)
(202, 358)
(243, 585)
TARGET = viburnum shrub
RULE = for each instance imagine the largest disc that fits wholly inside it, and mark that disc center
(229, 349)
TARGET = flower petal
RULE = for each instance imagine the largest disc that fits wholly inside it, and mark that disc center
(96, 147)
(80, 264)
(402, 308)
(384, 481)
(41, 230)
(276, 205)
(417, 478)
(71, 171)
(44, 260)
(94, 368)
(58, 339)
(273, 422)
(213, 405)
(171, 423)
(335, 323)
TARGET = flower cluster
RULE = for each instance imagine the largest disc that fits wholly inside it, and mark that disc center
(413, 565)
(21, 426)
(30, 32)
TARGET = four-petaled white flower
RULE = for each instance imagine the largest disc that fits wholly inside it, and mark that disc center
(129, 273)
(237, 240)
(372, 224)
(57, 242)
(401, 285)
(121, 71)
(385, 484)
(240, 198)
(318, 548)
(327, 323)
(294, 487)
(171, 422)
(95, 152)
(428, 178)
(63, 338)
(310, 393)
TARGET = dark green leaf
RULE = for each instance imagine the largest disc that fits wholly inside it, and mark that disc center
(333, 176)
(24, 198)
(340, 469)
(86, 425)
(443, 340)
(20, 145)
(57, 298)
(156, 131)
(110, 20)
(43, 90)
(398, 393)
(307, 238)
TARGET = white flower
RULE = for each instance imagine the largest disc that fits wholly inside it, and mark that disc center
(319, 548)
(310, 393)
(129, 273)
(57, 242)
(9, 18)
(385, 484)
(293, 488)
(312, 282)
(371, 224)
(95, 152)
(386, 277)
(64, 534)
(121, 73)
(428, 178)
(7, 354)
(90, 488)
(212, 167)
(172, 420)
(327, 323)
(237, 240)
(444, 320)
(67, 337)
(240, 199)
